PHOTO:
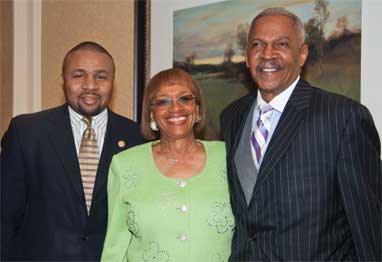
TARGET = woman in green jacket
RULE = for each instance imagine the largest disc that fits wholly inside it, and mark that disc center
(168, 199)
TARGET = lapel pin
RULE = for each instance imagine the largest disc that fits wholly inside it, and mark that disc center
(121, 143)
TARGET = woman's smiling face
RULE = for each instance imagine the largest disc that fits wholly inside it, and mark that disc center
(175, 111)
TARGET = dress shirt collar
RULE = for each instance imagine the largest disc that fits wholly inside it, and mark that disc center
(97, 120)
(278, 102)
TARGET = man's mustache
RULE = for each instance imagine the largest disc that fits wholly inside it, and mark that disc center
(273, 63)
(89, 94)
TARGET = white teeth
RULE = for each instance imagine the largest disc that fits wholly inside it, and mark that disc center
(269, 70)
(175, 119)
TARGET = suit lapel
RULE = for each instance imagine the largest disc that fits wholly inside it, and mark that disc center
(241, 115)
(61, 135)
(110, 147)
(290, 122)
(240, 120)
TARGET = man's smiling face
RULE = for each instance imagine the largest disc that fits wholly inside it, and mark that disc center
(275, 54)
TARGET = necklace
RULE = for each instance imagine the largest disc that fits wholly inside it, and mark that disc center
(171, 160)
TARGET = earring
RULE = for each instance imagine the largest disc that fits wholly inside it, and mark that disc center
(153, 125)
(198, 118)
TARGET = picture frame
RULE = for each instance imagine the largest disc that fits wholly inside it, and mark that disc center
(141, 53)
(163, 9)
(145, 65)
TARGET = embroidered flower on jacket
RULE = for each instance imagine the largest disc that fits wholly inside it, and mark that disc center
(132, 225)
(154, 254)
(129, 178)
(221, 217)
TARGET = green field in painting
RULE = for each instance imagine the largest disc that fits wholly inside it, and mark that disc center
(218, 93)
(341, 75)
(337, 79)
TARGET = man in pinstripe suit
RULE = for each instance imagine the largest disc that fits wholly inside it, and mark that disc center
(315, 193)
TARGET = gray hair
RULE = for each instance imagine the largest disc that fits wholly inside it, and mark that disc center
(280, 11)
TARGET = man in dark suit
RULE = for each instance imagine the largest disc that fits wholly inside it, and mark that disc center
(54, 166)
(303, 164)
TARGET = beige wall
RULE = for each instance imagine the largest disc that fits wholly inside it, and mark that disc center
(6, 63)
(64, 23)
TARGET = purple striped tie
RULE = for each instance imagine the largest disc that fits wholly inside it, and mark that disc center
(259, 135)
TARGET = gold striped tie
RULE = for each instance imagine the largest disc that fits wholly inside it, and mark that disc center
(88, 158)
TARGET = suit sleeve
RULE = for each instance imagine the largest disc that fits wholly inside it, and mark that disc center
(118, 235)
(13, 187)
(359, 178)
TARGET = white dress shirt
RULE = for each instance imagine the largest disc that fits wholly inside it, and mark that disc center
(278, 103)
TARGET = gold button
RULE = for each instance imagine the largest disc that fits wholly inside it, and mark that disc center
(121, 143)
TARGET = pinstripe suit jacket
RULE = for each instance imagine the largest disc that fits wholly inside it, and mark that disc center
(318, 192)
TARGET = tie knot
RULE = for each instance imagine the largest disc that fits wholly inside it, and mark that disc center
(88, 121)
(265, 109)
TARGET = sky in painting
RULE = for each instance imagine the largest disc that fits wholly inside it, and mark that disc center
(206, 30)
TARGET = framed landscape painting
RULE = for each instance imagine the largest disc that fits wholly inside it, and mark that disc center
(208, 41)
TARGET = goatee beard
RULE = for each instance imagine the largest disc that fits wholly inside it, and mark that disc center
(89, 112)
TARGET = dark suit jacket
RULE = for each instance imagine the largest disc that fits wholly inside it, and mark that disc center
(318, 191)
(43, 210)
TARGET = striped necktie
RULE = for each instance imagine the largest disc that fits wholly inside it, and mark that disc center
(259, 135)
(88, 158)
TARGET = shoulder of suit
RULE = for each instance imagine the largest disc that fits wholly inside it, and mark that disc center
(121, 119)
(330, 99)
(335, 100)
(41, 116)
(334, 104)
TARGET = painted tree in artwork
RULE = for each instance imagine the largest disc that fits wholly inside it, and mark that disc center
(229, 52)
(190, 59)
(229, 67)
(241, 36)
(314, 29)
(343, 24)
(322, 10)
(313, 39)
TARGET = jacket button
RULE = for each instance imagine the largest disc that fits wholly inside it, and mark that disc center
(253, 236)
(84, 238)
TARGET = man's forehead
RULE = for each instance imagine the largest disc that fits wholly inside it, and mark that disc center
(80, 58)
(86, 53)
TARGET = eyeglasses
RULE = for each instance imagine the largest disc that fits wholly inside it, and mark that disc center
(185, 100)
